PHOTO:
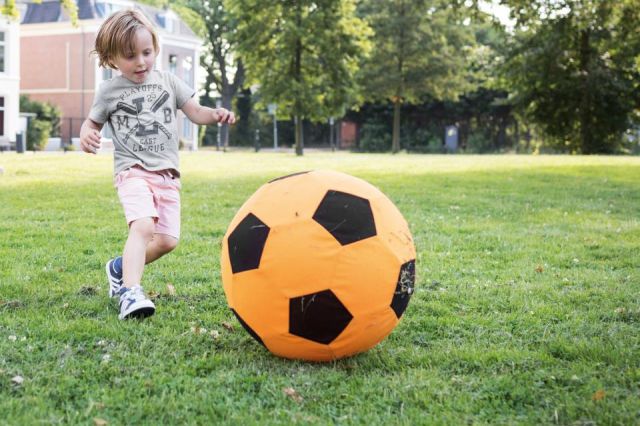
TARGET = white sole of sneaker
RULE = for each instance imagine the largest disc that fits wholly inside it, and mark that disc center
(141, 309)
(112, 289)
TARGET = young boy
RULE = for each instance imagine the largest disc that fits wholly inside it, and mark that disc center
(140, 107)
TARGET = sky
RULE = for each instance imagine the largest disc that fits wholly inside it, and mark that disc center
(499, 11)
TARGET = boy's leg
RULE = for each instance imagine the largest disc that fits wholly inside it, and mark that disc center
(133, 301)
(159, 246)
(135, 249)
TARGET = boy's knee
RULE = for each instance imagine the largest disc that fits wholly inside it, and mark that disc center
(143, 227)
(166, 243)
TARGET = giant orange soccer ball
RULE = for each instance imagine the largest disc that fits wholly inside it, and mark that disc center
(318, 265)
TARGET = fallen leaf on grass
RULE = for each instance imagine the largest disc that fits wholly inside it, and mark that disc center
(599, 395)
(227, 325)
(88, 290)
(99, 422)
(17, 380)
(171, 290)
(293, 394)
(198, 330)
(11, 304)
(153, 295)
(92, 405)
(539, 269)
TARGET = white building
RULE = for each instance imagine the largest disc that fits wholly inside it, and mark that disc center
(9, 81)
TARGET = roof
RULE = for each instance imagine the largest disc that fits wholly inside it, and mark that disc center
(52, 11)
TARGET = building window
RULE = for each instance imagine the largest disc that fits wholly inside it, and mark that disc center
(187, 65)
(2, 51)
(1, 115)
(105, 9)
(173, 64)
(167, 20)
(187, 128)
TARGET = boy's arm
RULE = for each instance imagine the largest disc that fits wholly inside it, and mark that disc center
(90, 136)
(199, 114)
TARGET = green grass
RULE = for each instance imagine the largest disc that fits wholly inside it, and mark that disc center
(527, 308)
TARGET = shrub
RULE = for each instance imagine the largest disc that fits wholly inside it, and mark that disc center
(479, 143)
(38, 134)
(422, 140)
(375, 137)
(46, 123)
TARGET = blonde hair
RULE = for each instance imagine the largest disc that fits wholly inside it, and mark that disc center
(117, 33)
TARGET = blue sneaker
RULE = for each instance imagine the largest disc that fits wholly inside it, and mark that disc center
(134, 303)
(114, 275)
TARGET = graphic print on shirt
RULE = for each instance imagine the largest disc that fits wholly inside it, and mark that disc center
(143, 121)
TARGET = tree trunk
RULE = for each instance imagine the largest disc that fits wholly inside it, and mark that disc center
(502, 133)
(298, 134)
(224, 129)
(395, 141)
(586, 134)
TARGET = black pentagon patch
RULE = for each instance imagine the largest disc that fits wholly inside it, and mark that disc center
(319, 317)
(287, 176)
(246, 243)
(404, 288)
(347, 217)
(249, 329)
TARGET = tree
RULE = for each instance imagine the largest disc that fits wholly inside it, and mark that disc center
(225, 70)
(210, 20)
(10, 10)
(303, 54)
(574, 69)
(420, 51)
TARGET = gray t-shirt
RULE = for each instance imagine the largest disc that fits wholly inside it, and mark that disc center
(142, 119)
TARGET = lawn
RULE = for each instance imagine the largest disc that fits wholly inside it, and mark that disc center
(526, 310)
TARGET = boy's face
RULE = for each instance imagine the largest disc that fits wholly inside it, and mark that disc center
(135, 66)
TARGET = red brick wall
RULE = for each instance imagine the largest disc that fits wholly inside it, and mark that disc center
(47, 75)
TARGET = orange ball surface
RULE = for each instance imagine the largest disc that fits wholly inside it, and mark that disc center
(318, 265)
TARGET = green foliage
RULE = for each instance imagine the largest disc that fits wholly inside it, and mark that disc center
(38, 134)
(479, 143)
(225, 74)
(574, 71)
(44, 125)
(374, 137)
(192, 18)
(526, 309)
(10, 10)
(420, 50)
(422, 139)
(243, 131)
(303, 54)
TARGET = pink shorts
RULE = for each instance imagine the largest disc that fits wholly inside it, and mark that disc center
(151, 194)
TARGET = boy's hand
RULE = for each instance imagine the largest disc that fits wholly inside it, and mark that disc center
(90, 141)
(224, 116)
